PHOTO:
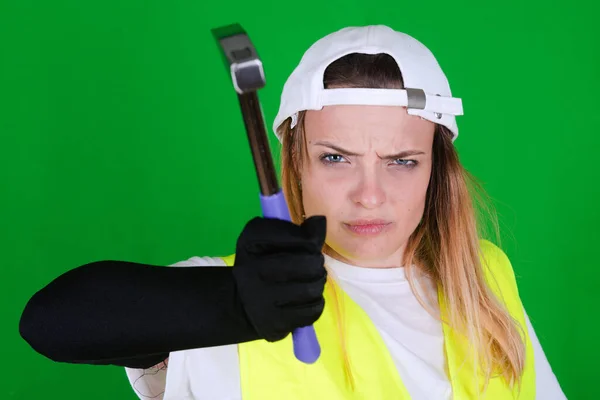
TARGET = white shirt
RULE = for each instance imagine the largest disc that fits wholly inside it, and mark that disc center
(413, 337)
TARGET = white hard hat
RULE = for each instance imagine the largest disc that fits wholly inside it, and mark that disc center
(426, 90)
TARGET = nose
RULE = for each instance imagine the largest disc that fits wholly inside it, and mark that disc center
(369, 191)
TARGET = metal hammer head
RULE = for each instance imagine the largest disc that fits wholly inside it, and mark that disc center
(241, 58)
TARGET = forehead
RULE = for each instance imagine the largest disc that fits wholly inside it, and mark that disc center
(355, 123)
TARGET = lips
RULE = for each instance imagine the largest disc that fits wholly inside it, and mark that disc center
(367, 227)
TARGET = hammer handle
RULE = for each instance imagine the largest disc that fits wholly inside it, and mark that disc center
(306, 345)
(272, 200)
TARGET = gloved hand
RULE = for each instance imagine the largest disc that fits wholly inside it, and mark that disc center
(280, 275)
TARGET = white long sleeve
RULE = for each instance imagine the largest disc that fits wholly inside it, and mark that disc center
(546, 384)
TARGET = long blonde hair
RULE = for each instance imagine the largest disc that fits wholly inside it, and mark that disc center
(445, 246)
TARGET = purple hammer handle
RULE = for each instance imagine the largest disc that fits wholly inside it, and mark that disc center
(306, 345)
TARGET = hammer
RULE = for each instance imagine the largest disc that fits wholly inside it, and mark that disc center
(248, 76)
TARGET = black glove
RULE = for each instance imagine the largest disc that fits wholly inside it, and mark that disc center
(280, 274)
(132, 314)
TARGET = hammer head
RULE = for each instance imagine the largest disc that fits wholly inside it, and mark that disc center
(241, 59)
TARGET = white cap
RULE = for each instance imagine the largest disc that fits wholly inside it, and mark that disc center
(426, 94)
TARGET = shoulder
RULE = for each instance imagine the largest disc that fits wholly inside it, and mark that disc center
(198, 261)
(498, 272)
(494, 258)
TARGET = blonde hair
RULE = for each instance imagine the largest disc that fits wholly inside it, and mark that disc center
(445, 246)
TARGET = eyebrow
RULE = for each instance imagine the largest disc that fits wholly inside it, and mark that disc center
(345, 152)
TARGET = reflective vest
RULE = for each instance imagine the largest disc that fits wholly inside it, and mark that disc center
(270, 371)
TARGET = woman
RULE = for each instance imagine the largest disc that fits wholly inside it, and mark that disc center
(383, 257)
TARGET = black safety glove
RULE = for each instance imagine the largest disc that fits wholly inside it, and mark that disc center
(132, 314)
(280, 275)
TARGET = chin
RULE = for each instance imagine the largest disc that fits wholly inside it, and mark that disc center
(368, 252)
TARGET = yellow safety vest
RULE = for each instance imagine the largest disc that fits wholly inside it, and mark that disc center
(271, 371)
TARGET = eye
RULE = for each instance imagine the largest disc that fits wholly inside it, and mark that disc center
(331, 158)
(406, 163)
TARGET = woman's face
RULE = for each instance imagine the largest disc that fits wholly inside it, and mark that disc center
(367, 171)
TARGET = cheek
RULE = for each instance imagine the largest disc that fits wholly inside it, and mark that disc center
(409, 197)
(319, 195)
(324, 190)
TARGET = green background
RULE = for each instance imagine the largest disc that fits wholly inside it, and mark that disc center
(122, 139)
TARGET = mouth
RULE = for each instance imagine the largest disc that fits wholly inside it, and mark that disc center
(367, 227)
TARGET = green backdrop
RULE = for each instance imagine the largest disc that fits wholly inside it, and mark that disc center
(122, 139)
